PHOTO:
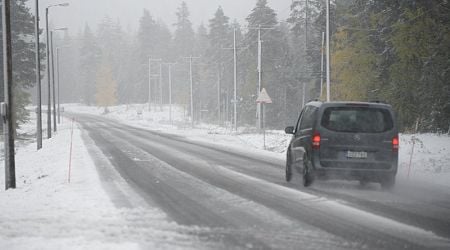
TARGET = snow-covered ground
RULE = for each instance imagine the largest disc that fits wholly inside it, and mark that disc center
(430, 157)
(46, 211)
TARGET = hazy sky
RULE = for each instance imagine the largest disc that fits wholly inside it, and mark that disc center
(81, 12)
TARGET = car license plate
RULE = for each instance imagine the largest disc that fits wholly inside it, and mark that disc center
(358, 155)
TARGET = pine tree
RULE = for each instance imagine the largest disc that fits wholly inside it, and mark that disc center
(184, 34)
(206, 75)
(23, 58)
(219, 33)
(307, 22)
(111, 40)
(274, 47)
(262, 15)
(89, 58)
(163, 44)
(184, 38)
(69, 49)
(146, 34)
(219, 37)
(420, 90)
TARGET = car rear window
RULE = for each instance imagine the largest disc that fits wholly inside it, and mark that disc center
(357, 119)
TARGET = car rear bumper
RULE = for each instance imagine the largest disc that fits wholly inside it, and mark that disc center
(355, 170)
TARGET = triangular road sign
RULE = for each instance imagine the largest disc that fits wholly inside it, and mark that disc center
(263, 97)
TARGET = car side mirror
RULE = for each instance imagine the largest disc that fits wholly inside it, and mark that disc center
(289, 130)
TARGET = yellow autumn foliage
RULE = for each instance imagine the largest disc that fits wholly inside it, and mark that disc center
(106, 86)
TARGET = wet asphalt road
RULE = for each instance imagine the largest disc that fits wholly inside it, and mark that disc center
(240, 200)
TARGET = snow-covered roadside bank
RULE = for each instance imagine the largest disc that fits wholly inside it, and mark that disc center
(158, 120)
(48, 212)
(430, 161)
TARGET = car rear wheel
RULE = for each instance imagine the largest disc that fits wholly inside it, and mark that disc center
(388, 182)
(308, 175)
(288, 169)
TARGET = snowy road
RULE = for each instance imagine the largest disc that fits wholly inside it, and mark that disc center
(240, 199)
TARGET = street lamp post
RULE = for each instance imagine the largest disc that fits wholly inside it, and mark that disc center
(53, 75)
(49, 123)
(58, 49)
(53, 79)
(328, 48)
(57, 80)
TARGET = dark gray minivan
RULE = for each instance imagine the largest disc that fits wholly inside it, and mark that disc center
(344, 140)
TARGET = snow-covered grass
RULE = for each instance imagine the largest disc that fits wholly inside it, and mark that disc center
(430, 157)
(45, 211)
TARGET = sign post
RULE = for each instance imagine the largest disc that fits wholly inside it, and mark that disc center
(262, 99)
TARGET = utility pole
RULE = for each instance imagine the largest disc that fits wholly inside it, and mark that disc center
(38, 79)
(303, 94)
(49, 108)
(170, 93)
(150, 60)
(321, 65)
(149, 83)
(7, 106)
(57, 79)
(191, 87)
(259, 111)
(170, 90)
(259, 105)
(306, 24)
(235, 79)
(219, 72)
(53, 80)
(234, 100)
(306, 51)
(190, 58)
(227, 105)
(160, 88)
(328, 49)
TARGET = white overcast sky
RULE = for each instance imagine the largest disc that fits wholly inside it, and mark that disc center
(128, 12)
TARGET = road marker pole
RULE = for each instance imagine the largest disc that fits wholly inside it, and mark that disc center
(411, 156)
(414, 143)
(70, 154)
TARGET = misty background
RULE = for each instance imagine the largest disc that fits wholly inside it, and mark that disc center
(394, 52)
(128, 12)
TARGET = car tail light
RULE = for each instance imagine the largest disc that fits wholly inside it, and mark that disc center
(395, 143)
(316, 140)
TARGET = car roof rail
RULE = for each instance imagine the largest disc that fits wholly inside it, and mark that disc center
(315, 100)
